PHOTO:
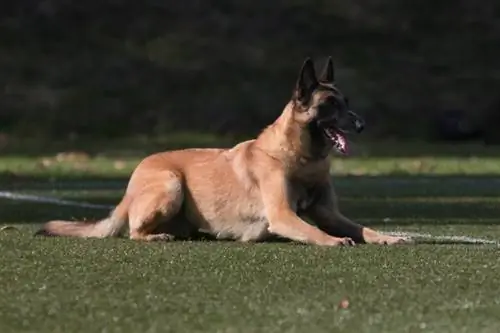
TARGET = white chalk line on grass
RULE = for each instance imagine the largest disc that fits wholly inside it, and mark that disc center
(61, 202)
(44, 199)
(449, 238)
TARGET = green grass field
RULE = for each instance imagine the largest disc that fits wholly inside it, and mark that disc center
(116, 285)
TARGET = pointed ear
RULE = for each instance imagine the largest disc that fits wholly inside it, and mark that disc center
(328, 74)
(306, 82)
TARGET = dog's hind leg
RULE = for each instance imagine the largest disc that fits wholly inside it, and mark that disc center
(155, 206)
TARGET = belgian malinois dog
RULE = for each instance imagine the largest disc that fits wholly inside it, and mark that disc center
(261, 188)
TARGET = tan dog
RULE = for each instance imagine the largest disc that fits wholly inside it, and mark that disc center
(257, 189)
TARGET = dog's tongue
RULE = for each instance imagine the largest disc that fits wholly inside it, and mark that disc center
(341, 143)
(338, 139)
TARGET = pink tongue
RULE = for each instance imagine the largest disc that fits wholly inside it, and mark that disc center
(341, 143)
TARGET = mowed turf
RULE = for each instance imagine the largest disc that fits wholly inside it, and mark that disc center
(117, 285)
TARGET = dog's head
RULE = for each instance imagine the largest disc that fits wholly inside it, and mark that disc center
(323, 109)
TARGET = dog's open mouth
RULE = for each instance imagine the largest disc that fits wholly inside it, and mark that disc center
(335, 135)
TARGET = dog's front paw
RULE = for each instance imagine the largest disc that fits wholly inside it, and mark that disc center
(342, 241)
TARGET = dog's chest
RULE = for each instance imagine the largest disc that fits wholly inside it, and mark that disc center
(301, 196)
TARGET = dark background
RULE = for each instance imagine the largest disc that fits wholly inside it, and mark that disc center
(113, 68)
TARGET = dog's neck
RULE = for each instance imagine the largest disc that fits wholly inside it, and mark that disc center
(288, 140)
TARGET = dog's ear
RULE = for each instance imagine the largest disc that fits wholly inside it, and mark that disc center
(328, 74)
(306, 82)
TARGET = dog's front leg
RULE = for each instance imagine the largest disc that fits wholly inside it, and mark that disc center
(284, 222)
(337, 224)
(326, 215)
(287, 224)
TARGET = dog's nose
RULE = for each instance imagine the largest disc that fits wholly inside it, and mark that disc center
(359, 125)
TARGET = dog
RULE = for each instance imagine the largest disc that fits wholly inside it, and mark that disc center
(277, 185)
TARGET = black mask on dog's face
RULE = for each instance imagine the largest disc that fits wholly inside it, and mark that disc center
(325, 107)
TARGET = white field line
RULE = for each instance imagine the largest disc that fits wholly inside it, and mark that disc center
(43, 199)
(450, 238)
(61, 202)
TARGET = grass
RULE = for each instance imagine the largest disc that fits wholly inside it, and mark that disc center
(116, 285)
(117, 158)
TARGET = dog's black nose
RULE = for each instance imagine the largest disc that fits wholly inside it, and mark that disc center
(359, 125)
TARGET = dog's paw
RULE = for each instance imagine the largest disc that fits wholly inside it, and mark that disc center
(342, 241)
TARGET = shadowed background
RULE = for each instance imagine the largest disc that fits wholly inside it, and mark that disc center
(415, 69)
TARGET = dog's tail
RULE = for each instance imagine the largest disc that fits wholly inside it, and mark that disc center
(108, 227)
